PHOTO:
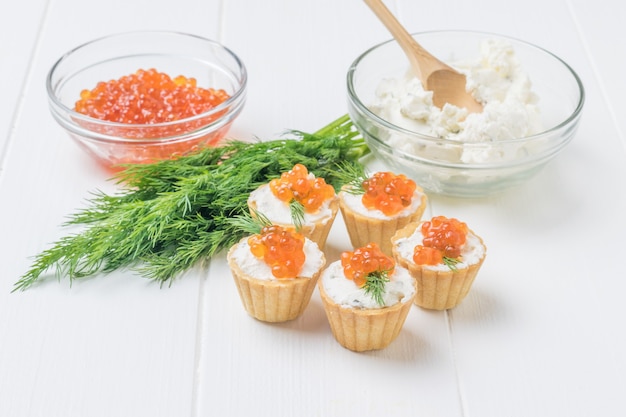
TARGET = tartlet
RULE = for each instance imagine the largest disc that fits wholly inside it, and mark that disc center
(317, 220)
(266, 297)
(357, 320)
(446, 283)
(374, 224)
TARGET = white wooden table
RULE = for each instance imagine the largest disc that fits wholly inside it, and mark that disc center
(541, 333)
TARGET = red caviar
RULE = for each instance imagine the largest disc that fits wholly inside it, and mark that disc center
(150, 105)
(296, 184)
(424, 255)
(281, 249)
(357, 265)
(148, 97)
(442, 237)
(388, 192)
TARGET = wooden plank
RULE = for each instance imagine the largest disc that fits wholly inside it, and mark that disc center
(603, 51)
(20, 23)
(115, 345)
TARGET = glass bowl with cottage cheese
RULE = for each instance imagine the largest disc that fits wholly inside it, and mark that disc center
(532, 103)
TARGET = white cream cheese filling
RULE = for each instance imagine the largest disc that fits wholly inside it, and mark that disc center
(354, 203)
(345, 292)
(278, 211)
(258, 269)
(471, 253)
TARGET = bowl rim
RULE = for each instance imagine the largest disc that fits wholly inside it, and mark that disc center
(230, 103)
(354, 99)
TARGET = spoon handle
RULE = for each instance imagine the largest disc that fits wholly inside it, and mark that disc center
(422, 62)
(447, 84)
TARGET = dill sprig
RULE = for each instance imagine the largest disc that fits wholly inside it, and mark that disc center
(450, 262)
(296, 210)
(250, 223)
(172, 214)
(352, 177)
(375, 285)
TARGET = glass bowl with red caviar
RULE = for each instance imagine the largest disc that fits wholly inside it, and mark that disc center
(139, 97)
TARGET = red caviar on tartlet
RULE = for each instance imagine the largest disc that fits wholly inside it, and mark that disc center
(375, 207)
(367, 265)
(388, 192)
(298, 199)
(275, 272)
(443, 239)
(444, 256)
(366, 297)
(296, 184)
(281, 249)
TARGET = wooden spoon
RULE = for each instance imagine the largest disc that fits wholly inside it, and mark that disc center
(446, 83)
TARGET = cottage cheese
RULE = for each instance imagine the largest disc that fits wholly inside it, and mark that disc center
(495, 79)
(471, 253)
(345, 292)
(257, 268)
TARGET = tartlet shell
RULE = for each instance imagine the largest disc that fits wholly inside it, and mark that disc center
(437, 290)
(362, 330)
(363, 230)
(272, 301)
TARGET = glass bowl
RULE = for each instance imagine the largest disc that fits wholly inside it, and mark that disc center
(439, 165)
(112, 57)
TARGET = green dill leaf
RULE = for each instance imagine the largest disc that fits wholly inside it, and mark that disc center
(245, 222)
(375, 285)
(352, 176)
(451, 262)
(296, 209)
